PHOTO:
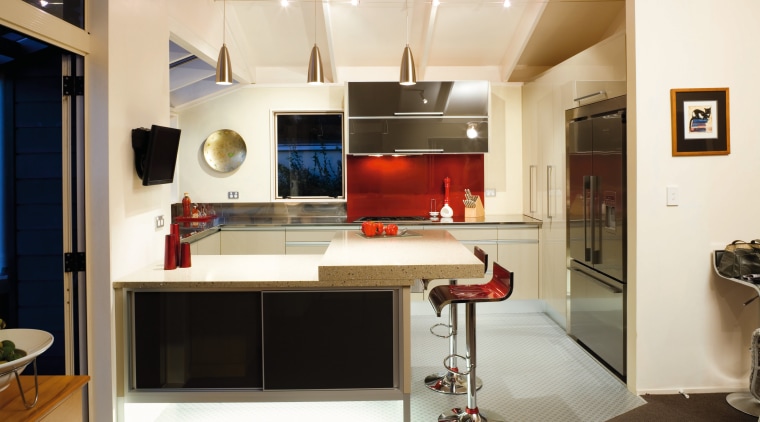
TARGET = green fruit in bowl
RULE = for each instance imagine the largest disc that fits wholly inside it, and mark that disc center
(9, 352)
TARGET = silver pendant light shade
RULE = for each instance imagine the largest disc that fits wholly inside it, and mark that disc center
(224, 67)
(315, 75)
(408, 74)
(223, 63)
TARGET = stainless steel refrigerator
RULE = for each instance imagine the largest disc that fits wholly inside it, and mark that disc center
(596, 229)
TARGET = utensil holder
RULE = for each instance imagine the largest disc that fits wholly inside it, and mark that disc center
(475, 212)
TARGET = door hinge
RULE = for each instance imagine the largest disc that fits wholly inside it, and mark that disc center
(73, 85)
(73, 262)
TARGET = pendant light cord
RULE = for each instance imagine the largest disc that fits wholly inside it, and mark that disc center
(224, 23)
(406, 6)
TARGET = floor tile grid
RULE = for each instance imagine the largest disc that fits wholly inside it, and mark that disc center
(531, 371)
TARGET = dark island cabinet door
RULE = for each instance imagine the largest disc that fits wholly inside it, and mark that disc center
(330, 340)
(196, 340)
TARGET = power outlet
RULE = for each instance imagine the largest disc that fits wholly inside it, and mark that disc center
(159, 221)
(490, 193)
(233, 195)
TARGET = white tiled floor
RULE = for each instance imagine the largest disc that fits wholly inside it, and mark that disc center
(531, 371)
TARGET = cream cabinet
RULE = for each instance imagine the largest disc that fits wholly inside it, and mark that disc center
(209, 245)
(518, 252)
(309, 240)
(483, 236)
(253, 241)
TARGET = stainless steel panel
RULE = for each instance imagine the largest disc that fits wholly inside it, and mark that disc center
(596, 187)
(394, 135)
(429, 98)
(597, 315)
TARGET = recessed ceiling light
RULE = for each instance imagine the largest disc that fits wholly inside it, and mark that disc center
(284, 3)
(507, 3)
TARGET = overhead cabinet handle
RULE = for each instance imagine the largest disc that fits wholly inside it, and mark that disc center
(418, 113)
(549, 175)
(418, 150)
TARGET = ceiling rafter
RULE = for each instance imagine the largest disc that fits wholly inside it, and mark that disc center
(428, 19)
(523, 32)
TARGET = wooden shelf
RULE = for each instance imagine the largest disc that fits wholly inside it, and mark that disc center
(60, 399)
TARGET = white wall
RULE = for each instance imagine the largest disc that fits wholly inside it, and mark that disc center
(128, 87)
(249, 111)
(690, 328)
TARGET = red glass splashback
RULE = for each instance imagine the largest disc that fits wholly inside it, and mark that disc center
(404, 186)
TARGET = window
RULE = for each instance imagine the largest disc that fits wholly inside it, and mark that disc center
(309, 155)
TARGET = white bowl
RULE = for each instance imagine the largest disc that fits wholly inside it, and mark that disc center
(33, 342)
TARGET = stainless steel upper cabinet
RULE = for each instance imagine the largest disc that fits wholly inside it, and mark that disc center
(429, 117)
(597, 192)
(448, 98)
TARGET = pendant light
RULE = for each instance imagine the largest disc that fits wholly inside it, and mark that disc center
(408, 74)
(223, 64)
(315, 75)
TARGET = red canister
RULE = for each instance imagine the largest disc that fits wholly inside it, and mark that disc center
(184, 261)
(170, 253)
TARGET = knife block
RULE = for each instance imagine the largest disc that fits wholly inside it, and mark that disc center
(476, 211)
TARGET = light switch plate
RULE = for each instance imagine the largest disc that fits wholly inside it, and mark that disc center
(673, 196)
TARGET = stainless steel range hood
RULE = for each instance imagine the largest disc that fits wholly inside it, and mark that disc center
(426, 118)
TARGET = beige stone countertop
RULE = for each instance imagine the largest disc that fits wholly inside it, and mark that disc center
(420, 254)
(351, 260)
(229, 272)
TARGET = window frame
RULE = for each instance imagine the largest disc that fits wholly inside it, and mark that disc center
(276, 155)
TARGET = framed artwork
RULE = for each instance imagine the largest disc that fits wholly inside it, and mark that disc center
(699, 119)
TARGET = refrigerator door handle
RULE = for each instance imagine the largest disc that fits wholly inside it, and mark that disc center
(596, 224)
(549, 175)
(599, 281)
(587, 209)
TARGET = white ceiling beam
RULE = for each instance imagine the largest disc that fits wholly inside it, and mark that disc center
(328, 54)
(427, 19)
(523, 32)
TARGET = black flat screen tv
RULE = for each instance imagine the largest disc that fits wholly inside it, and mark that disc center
(155, 154)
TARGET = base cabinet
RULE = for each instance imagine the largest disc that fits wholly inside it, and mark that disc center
(312, 240)
(518, 252)
(265, 340)
(253, 242)
(209, 245)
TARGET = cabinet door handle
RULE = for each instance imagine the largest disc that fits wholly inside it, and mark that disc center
(532, 188)
(549, 174)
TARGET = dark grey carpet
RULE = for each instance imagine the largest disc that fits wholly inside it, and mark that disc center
(698, 407)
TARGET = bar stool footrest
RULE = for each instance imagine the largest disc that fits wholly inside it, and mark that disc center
(458, 414)
(449, 383)
(440, 324)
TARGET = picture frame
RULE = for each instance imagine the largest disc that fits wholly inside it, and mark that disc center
(700, 121)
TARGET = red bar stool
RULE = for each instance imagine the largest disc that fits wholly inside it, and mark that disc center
(499, 288)
(449, 382)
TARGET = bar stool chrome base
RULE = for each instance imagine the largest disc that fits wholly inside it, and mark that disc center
(449, 383)
(461, 415)
(744, 402)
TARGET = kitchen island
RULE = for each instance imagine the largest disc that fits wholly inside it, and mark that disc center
(281, 327)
